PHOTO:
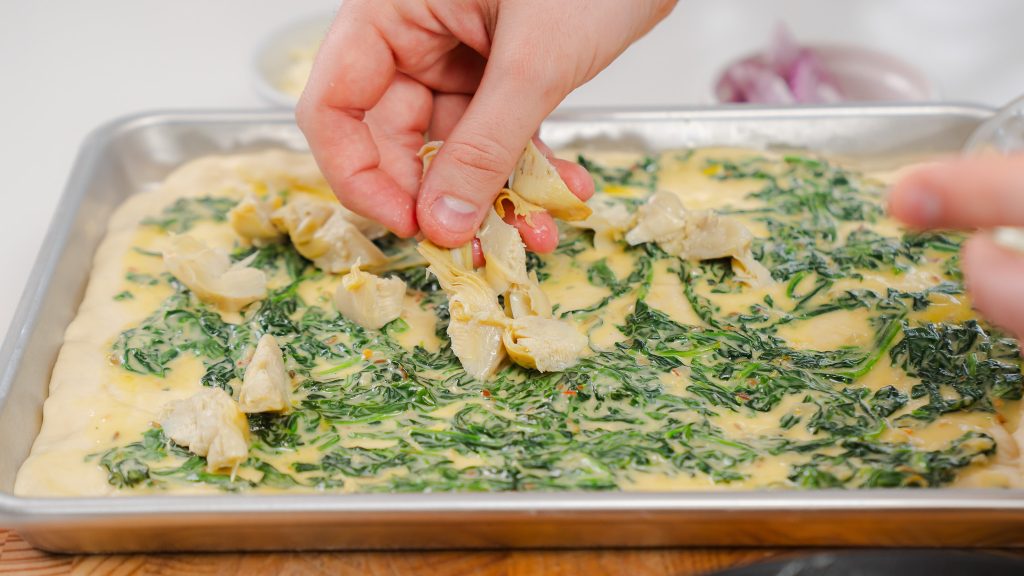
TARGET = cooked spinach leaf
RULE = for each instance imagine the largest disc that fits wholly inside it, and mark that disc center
(183, 214)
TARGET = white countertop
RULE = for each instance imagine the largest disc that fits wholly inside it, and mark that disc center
(70, 65)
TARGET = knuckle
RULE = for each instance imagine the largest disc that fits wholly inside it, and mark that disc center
(481, 159)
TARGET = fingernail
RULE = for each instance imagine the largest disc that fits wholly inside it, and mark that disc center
(454, 214)
(922, 205)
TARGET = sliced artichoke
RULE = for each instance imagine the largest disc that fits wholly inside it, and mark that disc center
(607, 215)
(368, 299)
(610, 220)
(427, 153)
(210, 424)
(476, 321)
(712, 236)
(479, 330)
(520, 206)
(462, 256)
(544, 344)
(698, 235)
(533, 186)
(527, 299)
(748, 270)
(209, 274)
(266, 386)
(321, 232)
(537, 181)
(251, 219)
(708, 236)
(661, 220)
(504, 253)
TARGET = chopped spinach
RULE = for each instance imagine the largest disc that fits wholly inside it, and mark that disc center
(183, 214)
(374, 415)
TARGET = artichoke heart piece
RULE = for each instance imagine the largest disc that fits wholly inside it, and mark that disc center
(209, 274)
(504, 253)
(534, 186)
(476, 335)
(713, 236)
(321, 232)
(476, 321)
(251, 219)
(544, 344)
(748, 270)
(427, 153)
(537, 181)
(527, 299)
(266, 386)
(661, 220)
(698, 235)
(609, 220)
(368, 299)
(209, 424)
(509, 199)
(506, 272)
(462, 256)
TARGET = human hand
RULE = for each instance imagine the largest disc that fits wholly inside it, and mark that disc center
(974, 193)
(480, 75)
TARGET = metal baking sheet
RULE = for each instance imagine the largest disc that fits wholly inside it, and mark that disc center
(131, 154)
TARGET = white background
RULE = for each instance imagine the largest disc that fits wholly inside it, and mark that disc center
(68, 65)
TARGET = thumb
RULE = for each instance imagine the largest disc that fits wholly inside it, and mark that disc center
(477, 158)
(965, 193)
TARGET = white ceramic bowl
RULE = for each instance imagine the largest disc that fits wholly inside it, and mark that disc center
(863, 75)
(282, 61)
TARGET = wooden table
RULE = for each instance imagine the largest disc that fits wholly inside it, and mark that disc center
(17, 557)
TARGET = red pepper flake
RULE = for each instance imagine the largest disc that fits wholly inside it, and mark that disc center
(486, 393)
(570, 392)
(331, 340)
(743, 395)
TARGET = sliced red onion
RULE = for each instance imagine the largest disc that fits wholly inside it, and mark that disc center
(784, 74)
(768, 87)
(753, 81)
(784, 51)
(809, 81)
